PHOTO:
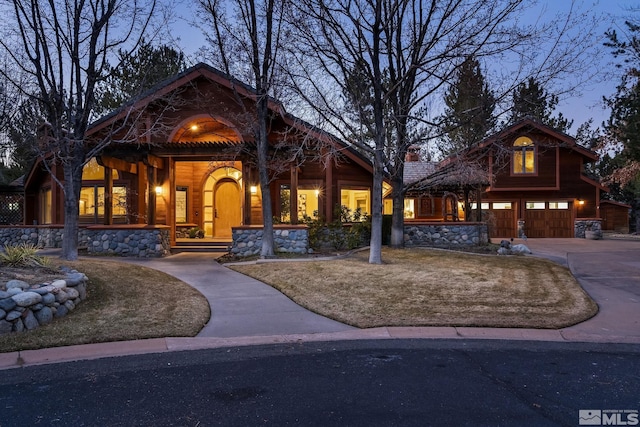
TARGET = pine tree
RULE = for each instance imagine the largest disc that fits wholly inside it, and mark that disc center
(470, 107)
(137, 73)
(530, 99)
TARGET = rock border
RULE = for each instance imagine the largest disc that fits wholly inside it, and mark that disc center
(26, 307)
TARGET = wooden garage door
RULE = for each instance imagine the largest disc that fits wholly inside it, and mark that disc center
(505, 220)
(548, 219)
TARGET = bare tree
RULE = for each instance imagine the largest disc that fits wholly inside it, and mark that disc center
(406, 51)
(63, 47)
(252, 35)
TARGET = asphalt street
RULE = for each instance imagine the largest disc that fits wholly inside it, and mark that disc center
(348, 383)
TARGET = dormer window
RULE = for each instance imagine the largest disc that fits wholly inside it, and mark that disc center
(524, 156)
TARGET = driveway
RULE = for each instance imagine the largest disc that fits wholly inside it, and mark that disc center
(609, 270)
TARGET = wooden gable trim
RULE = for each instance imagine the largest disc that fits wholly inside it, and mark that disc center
(195, 72)
(523, 189)
(571, 143)
(594, 183)
(154, 161)
(329, 139)
(118, 164)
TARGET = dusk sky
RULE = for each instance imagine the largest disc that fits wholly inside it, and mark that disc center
(581, 105)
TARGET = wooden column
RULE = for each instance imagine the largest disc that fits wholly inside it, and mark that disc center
(142, 192)
(152, 175)
(171, 207)
(108, 196)
(329, 189)
(57, 209)
(293, 195)
(246, 183)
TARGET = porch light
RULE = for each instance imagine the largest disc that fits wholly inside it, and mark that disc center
(194, 127)
(580, 202)
(158, 191)
(253, 189)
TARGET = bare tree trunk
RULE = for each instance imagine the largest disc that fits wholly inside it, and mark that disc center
(375, 245)
(267, 249)
(71, 213)
(397, 217)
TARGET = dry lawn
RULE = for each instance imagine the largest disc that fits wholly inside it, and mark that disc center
(421, 287)
(125, 302)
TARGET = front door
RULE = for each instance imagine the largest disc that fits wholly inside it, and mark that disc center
(227, 208)
(222, 202)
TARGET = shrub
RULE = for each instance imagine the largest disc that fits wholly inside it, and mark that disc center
(196, 232)
(23, 255)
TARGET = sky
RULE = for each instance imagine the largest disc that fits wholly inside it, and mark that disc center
(580, 105)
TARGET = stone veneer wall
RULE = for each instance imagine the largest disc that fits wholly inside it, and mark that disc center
(581, 225)
(247, 240)
(445, 233)
(24, 306)
(136, 241)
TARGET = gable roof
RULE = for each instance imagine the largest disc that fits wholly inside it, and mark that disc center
(529, 123)
(219, 77)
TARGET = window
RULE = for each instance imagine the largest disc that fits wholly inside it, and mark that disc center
(356, 198)
(502, 205)
(181, 205)
(535, 205)
(483, 206)
(524, 156)
(92, 202)
(285, 203)
(409, 209)
(559, 205)
(308, 202)
(45, 206)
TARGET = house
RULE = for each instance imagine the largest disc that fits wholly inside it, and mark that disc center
(534, 185)
(193, 165)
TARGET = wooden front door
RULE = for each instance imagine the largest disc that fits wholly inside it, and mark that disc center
(227, 210)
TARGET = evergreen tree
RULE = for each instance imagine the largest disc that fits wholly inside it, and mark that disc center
(137, 73)
(530, 99)
(470, 106)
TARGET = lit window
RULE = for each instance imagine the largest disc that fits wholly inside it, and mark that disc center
(45, 207)
(535, 205)
(285, 203)
(558, 205)
(502, 205)
(92, 201)
(409, 209)
(307, 203)
(92, 171)
(356, 199)
(524, 156)
(483, 206)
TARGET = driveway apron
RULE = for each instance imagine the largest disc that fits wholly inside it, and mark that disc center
(609, 271)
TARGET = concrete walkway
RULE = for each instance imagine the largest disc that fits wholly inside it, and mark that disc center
(248, 312)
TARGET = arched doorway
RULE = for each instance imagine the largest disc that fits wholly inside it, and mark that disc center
(222, 205)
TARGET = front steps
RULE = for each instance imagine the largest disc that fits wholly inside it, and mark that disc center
(201, 245)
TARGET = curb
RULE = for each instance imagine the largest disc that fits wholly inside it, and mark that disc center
(26, 358)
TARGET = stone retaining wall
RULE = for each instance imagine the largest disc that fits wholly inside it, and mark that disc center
(581, 225)
(445, 233)
(25, 307)
(247, 240)
(136, 241)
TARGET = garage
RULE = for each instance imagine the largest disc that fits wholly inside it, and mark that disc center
(548, 219)
(504, 215)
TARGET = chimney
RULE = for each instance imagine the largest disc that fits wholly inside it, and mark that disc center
(413, 154)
